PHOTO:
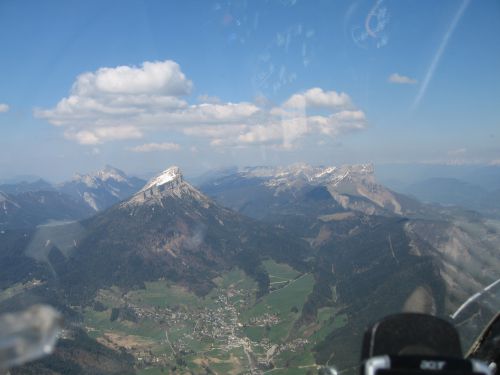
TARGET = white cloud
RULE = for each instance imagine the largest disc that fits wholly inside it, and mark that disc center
(264, 134)
(159, 77)
(206, 114)
(215, 131)
(400, 79)
(340, 122)
(317, 98)
(4, 108)
(129, 102)
(209, 99)
(103, 134)
(150, 147)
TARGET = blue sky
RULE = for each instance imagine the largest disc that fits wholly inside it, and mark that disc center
(205, 84)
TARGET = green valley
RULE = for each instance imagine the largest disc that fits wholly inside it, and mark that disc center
(170, 329)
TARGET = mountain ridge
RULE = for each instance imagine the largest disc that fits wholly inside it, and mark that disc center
(352, 187)
(101, 189)
(28, 204)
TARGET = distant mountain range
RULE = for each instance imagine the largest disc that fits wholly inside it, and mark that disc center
(101, 189)
(451, 191)
(26, 187)
(31, 208)
(468, 186)
(27, 204)
(400, 176)
(265, 191)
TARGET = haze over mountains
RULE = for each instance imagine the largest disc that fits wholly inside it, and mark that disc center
(454, 192)
(101, 189)
(26, 204)
(467, 186)
(366, 251)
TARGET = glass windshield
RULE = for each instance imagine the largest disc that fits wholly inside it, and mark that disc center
(243, 186)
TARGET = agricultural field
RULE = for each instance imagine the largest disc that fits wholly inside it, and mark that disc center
(168, 329)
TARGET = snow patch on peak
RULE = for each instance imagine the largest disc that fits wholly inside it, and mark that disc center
(169, 183)
(86, 179)
(111, 173)
(94, 179)
(164, 177)
(326, 171)
(362, 168)
(299, 174)
(297, 168)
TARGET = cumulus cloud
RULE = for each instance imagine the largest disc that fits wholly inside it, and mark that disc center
(340, 122)
(163, 78)
(291, 121)
(209, 99)
(317, 98)
(207, 113)
(4, 107)
(128, 102)
(400, 79)
(151, 147)
(215, 131)
(103, 134)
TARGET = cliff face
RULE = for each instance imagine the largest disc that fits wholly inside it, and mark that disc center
(169, 183)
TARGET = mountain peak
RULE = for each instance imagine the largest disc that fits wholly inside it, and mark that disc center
(109, 172)
(101, 189)
(168, 183)
(94, 178)
(167, 176)
(367, 168)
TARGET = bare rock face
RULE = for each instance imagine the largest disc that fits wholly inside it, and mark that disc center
(169, 183)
